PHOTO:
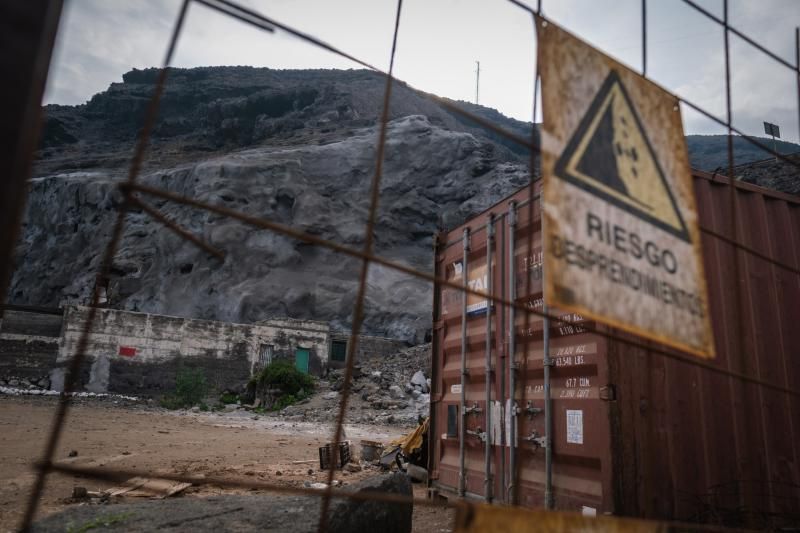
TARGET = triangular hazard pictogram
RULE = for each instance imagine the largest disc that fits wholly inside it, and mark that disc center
(610, 157)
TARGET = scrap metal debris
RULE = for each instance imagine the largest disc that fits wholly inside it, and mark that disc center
(154, 488)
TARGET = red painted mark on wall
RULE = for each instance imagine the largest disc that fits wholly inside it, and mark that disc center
(127, 351)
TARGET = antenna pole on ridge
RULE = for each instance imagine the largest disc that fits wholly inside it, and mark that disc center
(477, 82)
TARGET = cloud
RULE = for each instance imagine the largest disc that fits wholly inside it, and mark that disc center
(439, 43)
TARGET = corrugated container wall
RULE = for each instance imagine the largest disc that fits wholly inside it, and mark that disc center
(634, 433)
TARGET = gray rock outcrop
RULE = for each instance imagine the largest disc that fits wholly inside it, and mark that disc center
(437, 172)
(295, 147)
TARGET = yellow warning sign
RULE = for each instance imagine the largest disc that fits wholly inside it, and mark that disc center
(621, 243)
(611, 156)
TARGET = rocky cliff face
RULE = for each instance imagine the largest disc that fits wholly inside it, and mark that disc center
(219, 109)
(297, 147)
(778, 175)
(710, 152)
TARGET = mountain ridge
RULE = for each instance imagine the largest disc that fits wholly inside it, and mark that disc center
(296, 147)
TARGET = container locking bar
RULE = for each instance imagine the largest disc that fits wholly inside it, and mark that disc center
(462, 477)
(547, 363)
(488, 375)
(511, 489)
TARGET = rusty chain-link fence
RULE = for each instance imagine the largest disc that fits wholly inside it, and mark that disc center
(135, 194)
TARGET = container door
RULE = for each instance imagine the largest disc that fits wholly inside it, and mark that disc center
(461, 330)
(578, 378)
(510, 417)
(301, 359)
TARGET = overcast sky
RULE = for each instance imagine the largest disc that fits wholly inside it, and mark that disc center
(439, 42)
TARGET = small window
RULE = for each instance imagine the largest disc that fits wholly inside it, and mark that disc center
(265, 355)
(339, 351)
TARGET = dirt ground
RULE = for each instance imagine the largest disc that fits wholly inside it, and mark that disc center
(236, 445)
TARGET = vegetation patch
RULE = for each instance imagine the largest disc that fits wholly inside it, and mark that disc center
(100, 521)
(228, 397)
(281, 384)
(190, 389)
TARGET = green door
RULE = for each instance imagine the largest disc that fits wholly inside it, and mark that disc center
(301, 359)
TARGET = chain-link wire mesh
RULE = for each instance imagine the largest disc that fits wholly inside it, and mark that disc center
(133, 192)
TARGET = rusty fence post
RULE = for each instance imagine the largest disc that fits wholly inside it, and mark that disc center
(28, 32)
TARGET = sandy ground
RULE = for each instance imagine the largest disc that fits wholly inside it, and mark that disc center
(236, 445)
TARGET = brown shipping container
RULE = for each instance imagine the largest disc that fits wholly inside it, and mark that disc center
(634, 433)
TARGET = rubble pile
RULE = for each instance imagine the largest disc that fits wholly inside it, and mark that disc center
(13, 391)
(21, 383)
(40, 386)
(393, 390)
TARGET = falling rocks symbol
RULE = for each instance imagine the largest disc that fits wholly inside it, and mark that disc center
(610, 156)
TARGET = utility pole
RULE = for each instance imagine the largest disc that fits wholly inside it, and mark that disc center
(477, 82)
(775, 147)
(775, 131)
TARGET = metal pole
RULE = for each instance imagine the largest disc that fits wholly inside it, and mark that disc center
(501, 254)
(488, 370)
(548, 419)
(29, 29)
(548, 403)
(512, 365)
(462, 477)
(797, 65)
(732, 182)
(775, 147)
(644, 37)
(477, 82)
(738, 322)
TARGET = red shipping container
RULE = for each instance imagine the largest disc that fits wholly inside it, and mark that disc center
(634, 433)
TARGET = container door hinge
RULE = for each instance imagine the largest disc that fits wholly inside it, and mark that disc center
(536, 439)
(532, 411)
(482, 435)
(474, 409)
(608, 393)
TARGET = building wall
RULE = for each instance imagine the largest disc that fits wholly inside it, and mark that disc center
(288, 334)
(29, 343)
(141, 353)
(372, 347)
(368, 347)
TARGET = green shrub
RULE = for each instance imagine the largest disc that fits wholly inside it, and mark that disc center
(228, 397)
(190, 389)
(292, 385)
(284, 401)
(283, 375)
